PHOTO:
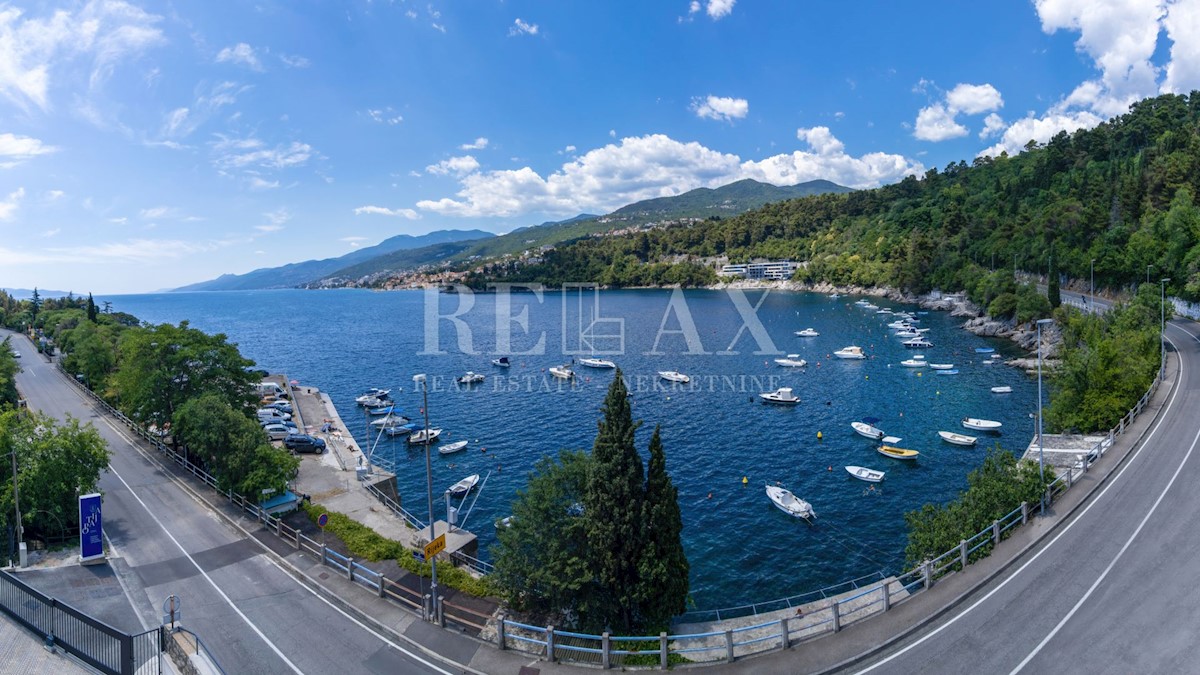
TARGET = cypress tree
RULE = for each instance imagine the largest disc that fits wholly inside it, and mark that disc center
(1052, 291)
(664, 567)
(613, 514)
(91, 309)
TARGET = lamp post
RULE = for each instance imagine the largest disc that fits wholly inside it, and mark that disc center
(433, 594)
(1162, 324)
(1092, 299)
(1041, 449)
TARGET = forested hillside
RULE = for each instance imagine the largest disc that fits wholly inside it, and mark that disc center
(1122, 194)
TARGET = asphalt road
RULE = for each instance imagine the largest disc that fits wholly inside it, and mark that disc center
(1112, 590)
(252, 615)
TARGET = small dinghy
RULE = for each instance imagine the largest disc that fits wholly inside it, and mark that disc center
(863, 473)
(957, 439)
(789, 503)
(1002, 390)
(897, 453)
(452, 447)
(980, 425)
(464, 486)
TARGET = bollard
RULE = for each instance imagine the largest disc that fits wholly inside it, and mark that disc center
(784, 637)
(1070, 478)
(380, 585)
(996, 532)
(324, 555)
(837, 616)
(426, 604)
(441, 611)
(962, 553)
(350, 569)
(887, 597)
(1024, 512)
(662, 650)
(926, 574)
(297, 539)
(279, 527)
(605, 651)
(550, 644)
(728, 646)
(500, 632)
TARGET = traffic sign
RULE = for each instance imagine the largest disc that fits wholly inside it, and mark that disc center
(436, 546)
(419, 556)
(322, 520)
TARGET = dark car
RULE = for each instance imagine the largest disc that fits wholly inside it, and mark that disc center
(304, 443)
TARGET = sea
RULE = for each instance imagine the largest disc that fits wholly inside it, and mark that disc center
(723, 445)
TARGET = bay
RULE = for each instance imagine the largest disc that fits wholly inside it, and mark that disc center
(722, 444)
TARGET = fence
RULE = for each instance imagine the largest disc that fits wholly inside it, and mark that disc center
(663, 650)
(92, 641)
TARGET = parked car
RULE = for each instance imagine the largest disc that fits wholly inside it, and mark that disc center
(286, 423)
(278, 432)
(273, 415)
(281, 406)
(304, 443)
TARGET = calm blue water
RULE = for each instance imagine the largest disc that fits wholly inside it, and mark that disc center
(740, 547)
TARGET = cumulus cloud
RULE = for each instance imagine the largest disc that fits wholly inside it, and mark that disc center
(937, 122)
(241, 54)
(973, 99)
(17, 149)
(458, 166)
(384, 211)
(719, 9)
(519, 27)
(993, 125)
(33, 51)
(1041, 129)
(720, 108)
(657, 166)
(479, 144)
(384, 116)
(9, 206)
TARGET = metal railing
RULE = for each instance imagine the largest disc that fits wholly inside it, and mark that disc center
(196, 646)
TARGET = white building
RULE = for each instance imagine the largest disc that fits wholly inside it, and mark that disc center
(775, 271)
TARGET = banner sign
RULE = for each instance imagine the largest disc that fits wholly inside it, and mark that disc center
(91, 529)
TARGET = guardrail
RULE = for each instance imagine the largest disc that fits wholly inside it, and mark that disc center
(830, 614)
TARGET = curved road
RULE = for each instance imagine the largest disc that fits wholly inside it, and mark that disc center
(252, 615)
(1111, 590)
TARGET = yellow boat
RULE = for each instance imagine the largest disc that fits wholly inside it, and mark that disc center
(897, 453)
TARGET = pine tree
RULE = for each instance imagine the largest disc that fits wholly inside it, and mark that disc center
(664, 567)
(91, 309)
(613, 514)
(1052, 292)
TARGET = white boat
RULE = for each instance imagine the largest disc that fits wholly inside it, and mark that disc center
(980, 425)
(851, 352)
(562, 372)
(400, 429)
(917, 343)
(597, 363)
(783, 396)
(957, 439)
(418, 437)
(372, 402)
(471, 378)
(942, 366)
(952, 371)
(792, 361)
(914, 363)
(885, 310)
(807, 332)
(897, 453)
(674, 376)
(790, 503)
(907, 334)
(1002, 390)
(867, 430)
(389, 421)
(452, 447)
(870, 305)
(504, 523)
(372, 397)
(503, 362)
(464, 486)
(863, 473)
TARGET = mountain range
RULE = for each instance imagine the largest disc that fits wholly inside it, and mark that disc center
(404, 252)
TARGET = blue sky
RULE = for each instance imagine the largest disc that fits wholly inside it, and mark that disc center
(147, 145)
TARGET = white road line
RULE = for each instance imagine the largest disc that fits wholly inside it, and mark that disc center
(1095, 500)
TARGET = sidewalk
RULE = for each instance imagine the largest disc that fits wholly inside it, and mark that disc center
(22, 653)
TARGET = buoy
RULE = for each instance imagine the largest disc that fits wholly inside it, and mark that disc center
(866, 377)
(710, 495)
(819, 436)
(830, 468)
(745, 480)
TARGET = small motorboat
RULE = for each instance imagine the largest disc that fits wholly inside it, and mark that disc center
(789, 503)
(917, 343)
(418, 437)
(400, 429)
(372, 402)
(807, 332)
(984, 350)
(901, 333)
(851, 352)
(952, 371)
(867, 430)
(674, 376)
(942, 366)
(869, 305)
(782, 396)
(597, 363)
(897, 453)
(792, 361)
(385, 410)
(504, 523)
(863, 473)
(885, 310)
(464, 486)
(450, 448)
(502, 362)
(372, 396)
(389, 421)
(914, 363)
(562, 372)
(471, 378)
(1002, 390)
(957, 439)
(980, 425)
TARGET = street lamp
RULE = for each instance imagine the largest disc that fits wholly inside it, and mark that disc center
(1162, 324)
(1041, 449)
(433, 593)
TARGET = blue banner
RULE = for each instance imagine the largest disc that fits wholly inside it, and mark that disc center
(91, 528)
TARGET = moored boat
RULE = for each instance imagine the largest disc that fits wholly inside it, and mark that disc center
(867, 430)
(917, 343)
(464, 486)
(984, 350)
(863, 473)
(980, 425)
(807, 332)
(502, 362)
(789, 503)
(957, 439)
(942, 366)
(897, 453)
(562, 372)
(782, 396)
(851, 352)
(952, 371)
(597, 363)
(471, 377)
(372, 397)
(452, 447)
(1002, 390)
(914, 363)
(674, 376)
(792, 361)
(418, 437)
(385, 410)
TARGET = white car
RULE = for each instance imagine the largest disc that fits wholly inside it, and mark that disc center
(272, 415)
(278, 432)
(16, 354)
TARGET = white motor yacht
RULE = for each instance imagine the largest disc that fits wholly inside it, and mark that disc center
(792, 361)
(783, 396)
(674, 376)
(851, 352)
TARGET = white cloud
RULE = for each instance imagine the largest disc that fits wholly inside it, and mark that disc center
(384, 211)
(459, 166)
(241, 54)
(54, 195)
(268, 228)
(1182, 24)
(52, 232)
(657, 166)
(258, 183)
(9, 206)
(479, 144)
(17, 149)
(612, 133)
(275, 220)
(33, 50)
(118, 221)
(157, 212)
(519, 27)
(720, 108)
(936, 123)
(384, 115)
(973, 99)
(439, 27)
(694, 7)
(993, 125)
(718, 9)
(294, 61)
(1041, 130)
(185, 120)
(353, 241)
(241, 153)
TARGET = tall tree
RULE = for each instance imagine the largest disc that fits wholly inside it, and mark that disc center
(1052, 290)
(613, 514)
(663, 567)
(91, 309)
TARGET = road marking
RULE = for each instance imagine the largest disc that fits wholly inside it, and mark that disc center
(1060, 535)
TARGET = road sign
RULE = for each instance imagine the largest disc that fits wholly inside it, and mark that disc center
(419, 556)
(436, 546)
(322, 520)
